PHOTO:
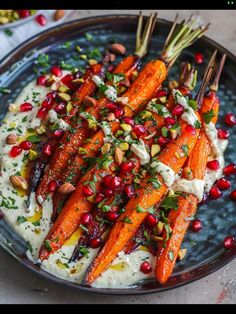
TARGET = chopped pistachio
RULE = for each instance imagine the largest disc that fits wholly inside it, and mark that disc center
(160, 227)
(63, 89)
(146, 114)
(155, 149)
(106, 148)
(64, 97)
(119, 154)
(126, 127)
(84, 57)
(92, 61)
(182, 254)
(32, 154)
(124, 146)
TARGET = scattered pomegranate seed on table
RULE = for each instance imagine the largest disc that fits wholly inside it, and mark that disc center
(151, 220)
(230, 119)
(199, 58)
(223, 134)
(26, 106)
(196, 225)
(86, 219)
(229, 242)
(230, 169)
(215, 193)
(26, 145)
(146, 267)
(42, 112)
(213, 165)
(233, 195)
(223, 184)
(15, 151)
(87, 190)
(41, 19)
(23, 13)
(55, 70)
(52, 186)
(95, 243)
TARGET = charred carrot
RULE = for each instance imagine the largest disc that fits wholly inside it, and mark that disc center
(187, 206)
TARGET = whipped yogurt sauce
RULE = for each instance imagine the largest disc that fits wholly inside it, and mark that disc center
(58, 263)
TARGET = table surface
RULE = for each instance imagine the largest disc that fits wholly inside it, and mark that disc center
(18, 285)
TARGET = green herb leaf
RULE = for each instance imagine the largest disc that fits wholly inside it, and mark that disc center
(106, 208)
(146, 235)
(29, 247)
(47, 245)
(151, 210)
(21, 220)
(193, 104)
(8, 32)
(127, 220)
(34, 138)
(43, 60)
(24, 119)
(155, 183)
(88, 36)
(197, 124)
(165, 131)
(95, 53)
(185, 150)
(170, 202)
(83, 228)
(4, 90)
(66, 66)
(83, 250)
(207, 116)
(139, 209)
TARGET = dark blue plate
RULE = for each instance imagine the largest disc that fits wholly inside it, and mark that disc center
(205, 249)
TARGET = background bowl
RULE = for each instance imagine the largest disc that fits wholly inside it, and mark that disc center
(205, 250)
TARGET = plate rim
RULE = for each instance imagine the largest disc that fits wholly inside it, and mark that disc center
(226, 256)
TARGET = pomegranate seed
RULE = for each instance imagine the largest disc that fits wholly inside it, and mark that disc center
(146, 267)
(199, 59)
(42, 112)
(111, 106)
(23, 13)
(99, 198)
(67, 79)
(41, 19)
(60, 107)
(162, 140)
(110, 68)
(230, 119)
(111, 216)
(108, 192)
(127, 166)
(223, 184)
(190, 129)
(161, 93)
(107, 180)
(58, 133)
(41, 80)
(169, 121)
(52, 95)
(213, 165)
(26, 145)
(233, 195)
(47, 149)
(26, 106)
(129, 190)
(178, 110)
(46, 103)
(55, 70)
(95, 243)
(151, 220)
(128, 120)
(87, 190)
(15, 151)
(196, 225)
(86, 219)
(52, 186)
(1, 214)
(223, 134)
(118, 112)
(230, 169)
(115, 183)
(139, 130)
(215, 193)
(229, 242)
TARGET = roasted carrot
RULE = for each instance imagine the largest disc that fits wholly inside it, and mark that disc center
(187, 206)
(146, 197)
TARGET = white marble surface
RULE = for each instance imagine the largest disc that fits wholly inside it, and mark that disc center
(18, 285)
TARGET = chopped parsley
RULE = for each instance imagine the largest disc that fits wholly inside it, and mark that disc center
(127, 220)
(83, 228)
(8, 32)
(139, 209)
(83, 250)
(47, 245)
(29, 247)
(207, 116)
(34, 138)
(95, 53)
(43, 60)
(170, 202)
(4, 90)
(88, 36)
(21, 220)
(197, 124)
(185, 150)
(193, 104)
(155, 183)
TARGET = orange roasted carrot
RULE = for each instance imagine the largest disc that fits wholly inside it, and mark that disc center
(69, 218)
(187, 206)
(146, 197)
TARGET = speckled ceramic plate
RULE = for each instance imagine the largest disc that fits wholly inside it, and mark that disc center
(205, 250)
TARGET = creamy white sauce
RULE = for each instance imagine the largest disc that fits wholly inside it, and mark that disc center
(123, 100)
(105, 126)
(189, 115)
(97, 80)
(195, 187)
(158, 108)
(167, 174)
(141, 152)
(110, 91)
(52, 115)
(87, 116)
(218, 147)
